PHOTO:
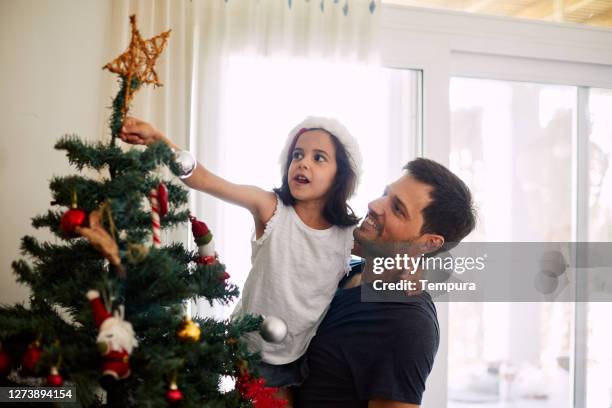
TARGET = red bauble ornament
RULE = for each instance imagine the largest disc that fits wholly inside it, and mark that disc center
(162, 199)
(174, 395)
(5, 364)
(31, 357)
(223, 277)
(73, 218)
(206, 260)
(54, 379)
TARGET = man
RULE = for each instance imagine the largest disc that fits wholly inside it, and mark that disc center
(379, 354)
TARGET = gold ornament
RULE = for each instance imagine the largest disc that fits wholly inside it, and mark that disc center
(136, 253)
(189, 331)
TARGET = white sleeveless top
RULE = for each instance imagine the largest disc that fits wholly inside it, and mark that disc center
(294, 275)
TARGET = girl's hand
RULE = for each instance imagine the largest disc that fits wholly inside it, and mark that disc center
(136, 131)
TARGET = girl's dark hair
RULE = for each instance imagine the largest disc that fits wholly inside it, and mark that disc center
(336, 210)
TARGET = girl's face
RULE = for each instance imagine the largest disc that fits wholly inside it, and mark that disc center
(313, 167)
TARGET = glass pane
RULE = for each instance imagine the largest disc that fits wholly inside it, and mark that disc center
(600, 171)
(512, 143)
(599, 331)
(264, 98)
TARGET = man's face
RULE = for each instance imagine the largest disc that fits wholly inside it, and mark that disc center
(397, 216)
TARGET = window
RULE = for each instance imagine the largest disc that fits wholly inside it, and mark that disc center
(514, 143)
(264, 98)
(599, 334)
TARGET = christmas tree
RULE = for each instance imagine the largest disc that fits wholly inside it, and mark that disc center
(107, 304)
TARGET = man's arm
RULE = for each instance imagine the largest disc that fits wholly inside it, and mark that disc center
(390, 404)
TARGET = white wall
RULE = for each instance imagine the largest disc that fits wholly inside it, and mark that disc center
(51, 84)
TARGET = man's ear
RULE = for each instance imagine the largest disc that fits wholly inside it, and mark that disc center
(432, 242)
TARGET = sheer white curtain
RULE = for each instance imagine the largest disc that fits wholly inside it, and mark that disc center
(259, 68)
(167, 107)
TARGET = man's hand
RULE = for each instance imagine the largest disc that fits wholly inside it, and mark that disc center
(100, 238)
(139, 132)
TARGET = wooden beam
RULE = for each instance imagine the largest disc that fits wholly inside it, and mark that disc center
(478, 6)
(539, 10)
(549, 9)
(558, 10)
(601, 19)
(577, 5)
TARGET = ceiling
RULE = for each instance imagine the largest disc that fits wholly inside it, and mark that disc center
(591, 12)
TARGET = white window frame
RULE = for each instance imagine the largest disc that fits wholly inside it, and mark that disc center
(443, 44)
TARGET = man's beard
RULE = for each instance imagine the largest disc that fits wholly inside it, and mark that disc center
(374, 248)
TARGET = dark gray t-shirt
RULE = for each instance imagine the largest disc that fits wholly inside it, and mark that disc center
(365, 351)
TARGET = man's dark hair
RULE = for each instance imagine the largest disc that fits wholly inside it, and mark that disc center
(450, 212)
(336, 210)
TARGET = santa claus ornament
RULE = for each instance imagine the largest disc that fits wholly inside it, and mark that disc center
(116, 340)
(204, 240)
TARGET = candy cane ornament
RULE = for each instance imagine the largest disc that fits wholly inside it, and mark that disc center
(162, 199)
(155, 218)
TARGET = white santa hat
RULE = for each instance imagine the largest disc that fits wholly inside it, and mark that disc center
(333, 127)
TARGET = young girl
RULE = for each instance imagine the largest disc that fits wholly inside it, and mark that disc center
(303, 234)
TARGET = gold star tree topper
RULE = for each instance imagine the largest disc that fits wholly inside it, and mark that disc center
(138, 61)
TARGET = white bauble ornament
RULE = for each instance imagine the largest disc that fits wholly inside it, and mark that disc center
(273, 329)
(186, 163)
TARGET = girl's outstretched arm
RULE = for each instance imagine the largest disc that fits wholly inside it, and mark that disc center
(259, 202)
